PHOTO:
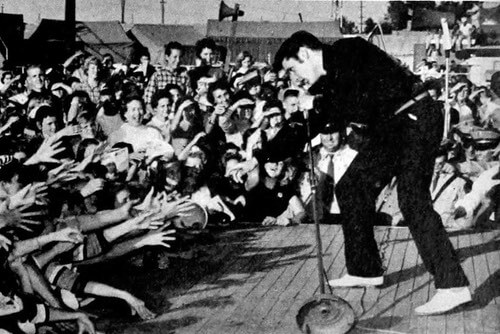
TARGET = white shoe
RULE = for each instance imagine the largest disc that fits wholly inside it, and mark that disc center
(445, 300)
(351, 281)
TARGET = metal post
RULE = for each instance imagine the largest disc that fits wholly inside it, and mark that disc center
(123, 10)
(162, 2)
(319, 249)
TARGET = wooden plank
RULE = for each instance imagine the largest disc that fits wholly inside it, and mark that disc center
(455, 320)
(261, 298)
(208, 296)
(382, 315)
(364, 299)
(492, 254)
(401, 317)
(472, 317)
(308, 271)
(334, 264)
(481, 273)
(420, 295)
(258, 272)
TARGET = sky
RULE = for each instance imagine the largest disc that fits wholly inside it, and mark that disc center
(194, 11)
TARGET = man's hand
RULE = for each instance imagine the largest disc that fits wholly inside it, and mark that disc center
(46, 152)
(306, 102)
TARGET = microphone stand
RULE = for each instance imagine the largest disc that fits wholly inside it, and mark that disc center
(312, 180)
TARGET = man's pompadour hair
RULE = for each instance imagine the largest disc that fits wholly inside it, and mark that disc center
(291, 46)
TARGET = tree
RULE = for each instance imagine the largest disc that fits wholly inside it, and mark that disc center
(398, 14)
(369, 26)
(348, 27)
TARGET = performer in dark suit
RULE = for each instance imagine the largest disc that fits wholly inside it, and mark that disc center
(353, 82)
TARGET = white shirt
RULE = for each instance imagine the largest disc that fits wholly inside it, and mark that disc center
(342, 159)
(140, 137)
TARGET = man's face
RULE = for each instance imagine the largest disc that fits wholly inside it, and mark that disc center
(291, 104)
(330, 141)
(49, 126)
(35, 79)
(438, 165)
(304, 69)
(206, 55)
(174, 58)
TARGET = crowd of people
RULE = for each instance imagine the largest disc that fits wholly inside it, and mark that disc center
(100, 161)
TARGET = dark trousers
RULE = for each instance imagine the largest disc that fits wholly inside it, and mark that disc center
(406, 149)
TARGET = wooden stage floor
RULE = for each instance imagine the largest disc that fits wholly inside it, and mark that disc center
(257, 279)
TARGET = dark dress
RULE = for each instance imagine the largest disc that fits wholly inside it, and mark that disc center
(263, 202)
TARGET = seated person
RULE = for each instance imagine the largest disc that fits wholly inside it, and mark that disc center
(270, 202)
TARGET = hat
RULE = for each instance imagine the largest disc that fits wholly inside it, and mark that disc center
(274, 153)
(330, 127)
(485, 139)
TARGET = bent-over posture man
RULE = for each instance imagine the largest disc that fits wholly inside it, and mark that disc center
(355, 83)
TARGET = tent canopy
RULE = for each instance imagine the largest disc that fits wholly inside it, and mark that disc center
(97, 38)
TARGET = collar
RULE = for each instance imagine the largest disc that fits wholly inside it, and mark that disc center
(330, 66)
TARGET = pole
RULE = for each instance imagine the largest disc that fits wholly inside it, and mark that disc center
(319, 246)
(123, 10)
(361, 17)
(447, 51)
(162, 2)
(70, 18)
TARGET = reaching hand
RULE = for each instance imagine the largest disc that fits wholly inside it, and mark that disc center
(5, 243)
(269, 221)
(158, 237)
(177, 208)
(85, 325)
(68, 234)
(19, 219)
(46, 152)
(69, 131)
(283, 221)
(145, 221)
(138, 307)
